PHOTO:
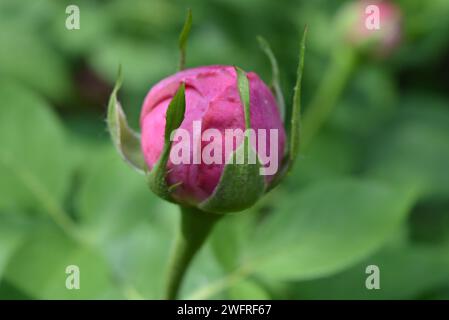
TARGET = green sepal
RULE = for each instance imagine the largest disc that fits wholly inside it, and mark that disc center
(174, 117)
(182, 41)
(280, 175)
(275, 81)
(296, 109)
(293, 148)
(241, 183)
(243, 86)
(126, 140)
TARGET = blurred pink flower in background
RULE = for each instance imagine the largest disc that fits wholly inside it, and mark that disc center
(375, 25)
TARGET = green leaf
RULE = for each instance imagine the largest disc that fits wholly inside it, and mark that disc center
(248, 290)
(139, 257)
(108, 191)
(35, 160)
(174, 118)
(12, 234)
(28, 59)
(126, 141)
(275, 82)
(320, 231)
(182, 42)
(406, 272)
(39, 268)
(326, 228)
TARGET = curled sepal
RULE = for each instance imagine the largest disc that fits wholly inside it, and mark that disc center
(292, 153)
(241, 183)
(275, 81)
(296, 109)
(126, 140)
(174, 117)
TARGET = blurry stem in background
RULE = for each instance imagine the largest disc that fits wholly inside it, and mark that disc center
(51, 206)
(59, 216)
(182, 42)
(342, 64)
(195, 227)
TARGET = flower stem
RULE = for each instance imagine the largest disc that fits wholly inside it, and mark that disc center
(196, 226)
(342, 64)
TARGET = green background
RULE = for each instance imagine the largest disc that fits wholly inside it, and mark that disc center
(372, 187)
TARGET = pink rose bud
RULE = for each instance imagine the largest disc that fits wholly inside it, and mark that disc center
(212, 140)
(373, 26)
(212, 101)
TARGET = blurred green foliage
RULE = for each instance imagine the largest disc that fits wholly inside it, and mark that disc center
(372, 188)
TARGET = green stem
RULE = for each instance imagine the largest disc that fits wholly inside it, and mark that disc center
(196, 226)
(342, 63)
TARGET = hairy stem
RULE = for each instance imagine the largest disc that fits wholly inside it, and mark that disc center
(196, 226)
